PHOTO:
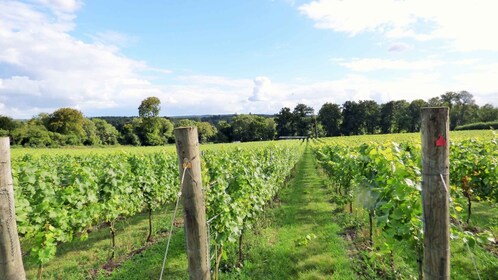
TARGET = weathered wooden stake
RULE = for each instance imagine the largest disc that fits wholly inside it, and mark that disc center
(435, 192)
(187, 148)
(11, 267)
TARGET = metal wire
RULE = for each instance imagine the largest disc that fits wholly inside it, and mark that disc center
(172, 223)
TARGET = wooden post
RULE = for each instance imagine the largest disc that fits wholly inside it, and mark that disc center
(435, 192)
(187, 148)
(11, 266)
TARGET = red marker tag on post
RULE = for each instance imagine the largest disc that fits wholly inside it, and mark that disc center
(440, 142)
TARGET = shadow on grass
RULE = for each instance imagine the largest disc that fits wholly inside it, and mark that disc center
(147, 265)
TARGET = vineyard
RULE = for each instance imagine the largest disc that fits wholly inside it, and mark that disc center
(62, 197)
(374, 184)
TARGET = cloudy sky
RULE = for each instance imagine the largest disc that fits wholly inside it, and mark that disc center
(225, 56)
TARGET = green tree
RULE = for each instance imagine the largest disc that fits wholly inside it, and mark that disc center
(106, 132)
(225, 132)
(414, 110)
(352, 118)
(167, 129)
(252, 128)
(435, 102)
(402, 117)
(7, 123)
(149, 107)
(370, 115)
(32, 135)
(69, 122)
(91, 133)
(284, 124)
(487, 113)
(465, 108)
(206, 131)
(129, 135)
(449, 99)
(302, 120)
(330, 117)
(185, 123)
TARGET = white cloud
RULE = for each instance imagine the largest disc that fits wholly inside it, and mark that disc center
(64, 6)
(44, 67)
(372, 64)
(469, 25)
(262, 89)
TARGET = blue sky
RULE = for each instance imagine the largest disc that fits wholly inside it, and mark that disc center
(218, 57)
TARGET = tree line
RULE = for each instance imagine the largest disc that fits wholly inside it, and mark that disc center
(370, 117)
(67, 126)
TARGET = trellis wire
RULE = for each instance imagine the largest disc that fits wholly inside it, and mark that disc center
(172, 224)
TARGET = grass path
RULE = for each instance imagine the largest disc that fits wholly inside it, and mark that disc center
(301, 241)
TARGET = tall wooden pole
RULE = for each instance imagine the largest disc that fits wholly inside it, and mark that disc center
(187, 148)
(435, 192)
(11, 267)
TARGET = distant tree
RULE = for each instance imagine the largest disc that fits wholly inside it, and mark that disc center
(225, 132)
(387, 117)
(330, 117)
(7, 123)
(302, 119)
(283, 122)
(402, 117)
(167, 129)
(487, 113)
(352, 118)
(185, 123)
(32, 135)
(107, 133)
(369, 115)
(91, 133)
(149, 107)
(129, 135)
(466, 108)
(414, 111)
(435, 102)
(252, 128)
(69, 122)
(206, 131)
(270, 129)
(449, 99)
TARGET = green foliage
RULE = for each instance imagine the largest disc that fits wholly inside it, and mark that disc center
(252, 128)
(91, 133)
(61, 197)
(7, 123)
(32, 135)
(107, 133)
(149, 107)
(206, 131)
(330, 117)
(284, 121)
(385, 179)
(478, 126)
(302, 120)
(67, 121)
